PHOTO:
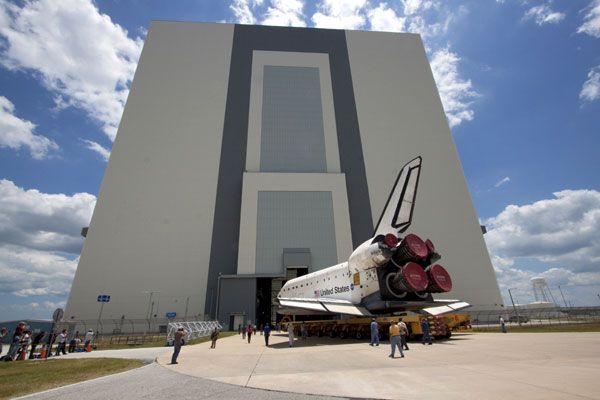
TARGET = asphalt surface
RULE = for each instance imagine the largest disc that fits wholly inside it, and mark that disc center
(156, 382)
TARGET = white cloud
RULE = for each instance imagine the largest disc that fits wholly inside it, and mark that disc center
(590, 90)
(16, 132)
(79, 54)
(40, 240)
(340, 14)
(580, 287)
(563, 231)
(385, 19)
(412, 7)
(543, 15)
(591, 24)
(242, 11)
(456, 93)
(98, 148)
(41, 221)
(285, 13)
(502, 181)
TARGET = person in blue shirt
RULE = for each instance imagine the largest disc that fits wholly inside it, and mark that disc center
(267, 332)
(374, 333)
(426, 333)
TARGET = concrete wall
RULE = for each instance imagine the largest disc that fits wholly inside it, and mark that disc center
(152, 223)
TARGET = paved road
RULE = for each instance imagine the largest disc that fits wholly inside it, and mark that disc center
(156, 382)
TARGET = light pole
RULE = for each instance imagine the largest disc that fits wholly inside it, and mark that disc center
(149, 312)
(514, 307)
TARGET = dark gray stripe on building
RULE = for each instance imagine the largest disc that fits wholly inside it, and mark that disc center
(226, 225)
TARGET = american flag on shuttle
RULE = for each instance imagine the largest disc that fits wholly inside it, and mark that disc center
(316, 293)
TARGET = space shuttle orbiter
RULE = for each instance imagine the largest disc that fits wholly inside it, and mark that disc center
(387, 273)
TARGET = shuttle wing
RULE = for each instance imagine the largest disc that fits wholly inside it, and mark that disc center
(398, 211)
(459, 305)
(322, 306)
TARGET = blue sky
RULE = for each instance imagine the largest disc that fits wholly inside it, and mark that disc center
(519, 80)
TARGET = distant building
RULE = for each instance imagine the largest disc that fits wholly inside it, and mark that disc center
(248, 155)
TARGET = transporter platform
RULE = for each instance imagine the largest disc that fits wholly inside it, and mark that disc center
(467, 366)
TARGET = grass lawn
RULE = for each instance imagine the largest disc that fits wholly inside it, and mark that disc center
(19, 378)
(526, 328)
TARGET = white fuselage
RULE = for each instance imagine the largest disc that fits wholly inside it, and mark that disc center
(351, 280)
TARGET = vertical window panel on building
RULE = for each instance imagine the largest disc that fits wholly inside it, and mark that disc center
(292, 134)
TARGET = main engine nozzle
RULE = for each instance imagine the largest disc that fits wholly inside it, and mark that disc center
(412, 248)
(409, 278)
(439, 279)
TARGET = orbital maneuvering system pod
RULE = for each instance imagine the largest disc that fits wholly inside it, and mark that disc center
(389, 272)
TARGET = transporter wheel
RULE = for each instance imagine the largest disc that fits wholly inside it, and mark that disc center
(358, 335)
(343, 335)
(332, 333)
(319, 333)
(448, 335)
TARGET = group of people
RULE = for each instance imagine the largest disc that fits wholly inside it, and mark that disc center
(24, 341)
(398, 333)
(247, 332)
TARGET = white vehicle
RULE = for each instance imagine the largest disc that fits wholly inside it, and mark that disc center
(387, 273)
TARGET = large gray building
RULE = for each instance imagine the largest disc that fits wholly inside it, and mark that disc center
(247, 155)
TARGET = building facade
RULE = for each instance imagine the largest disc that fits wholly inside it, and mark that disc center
(247, 155)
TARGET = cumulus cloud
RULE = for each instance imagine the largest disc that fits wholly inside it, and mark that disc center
(40, 240)
(285, 13)
(41, 221)
(340, 14)
(79, 54)
(242, 12)
(590, 90)
(412, 7)
(98, 148)
(16, 133)
(578, 286)
(543, 14)
(591, 24)
(563, 231)
(456, 92)
(383, 18)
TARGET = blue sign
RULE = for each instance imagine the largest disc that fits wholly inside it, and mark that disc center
(171, 314)
(103, 298)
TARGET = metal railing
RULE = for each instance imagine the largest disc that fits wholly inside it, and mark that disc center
(536, 316)
(194, 329)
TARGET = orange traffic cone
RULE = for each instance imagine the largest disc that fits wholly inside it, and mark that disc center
(88, 348)
(24, 355)
(43, 352)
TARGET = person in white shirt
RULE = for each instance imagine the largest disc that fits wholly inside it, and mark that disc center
(62, 343)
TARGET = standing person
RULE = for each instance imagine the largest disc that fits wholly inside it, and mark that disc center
(303, 332)
(3, 333)
(502, 325)
(87, 339)
(214, 336)
(243, 333)
(239, 329)
(374, 333)
(16, 341)
(395, 339)
(426, 333)
(37, 339)
(403, 333)
(177, 341)
(267, 332)
(24, 344)
(249, 332)
(290, 329)
(62, 343)
(73, 342)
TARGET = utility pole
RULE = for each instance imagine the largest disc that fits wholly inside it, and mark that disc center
(514, 307)
(563, 296)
